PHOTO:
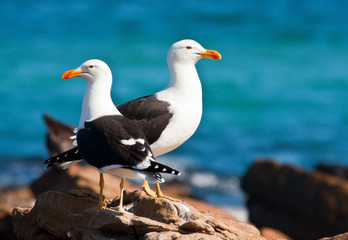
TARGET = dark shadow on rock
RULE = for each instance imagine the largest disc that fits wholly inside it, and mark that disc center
(336, 170)
(303, 205)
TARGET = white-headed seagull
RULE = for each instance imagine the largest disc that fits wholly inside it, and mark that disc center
(170, 117)
(105, 138)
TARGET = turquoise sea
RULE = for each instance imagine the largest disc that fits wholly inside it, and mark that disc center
(280, 91)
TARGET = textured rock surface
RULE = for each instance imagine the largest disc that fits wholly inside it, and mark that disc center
(76, 177)
(303, 205)
(58, 215)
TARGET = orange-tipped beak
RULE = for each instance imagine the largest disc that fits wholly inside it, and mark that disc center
(71, 73)
(212, 54)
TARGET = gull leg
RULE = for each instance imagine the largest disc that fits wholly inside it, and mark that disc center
(120, 206)
(101, 188)
(147, 189)
(101, 198)
(161, 195)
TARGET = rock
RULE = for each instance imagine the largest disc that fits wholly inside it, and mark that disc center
(271, 233)
(87, 178)
(58, 137)
(343, 236)
(9, 198)
(303, 205)
(59, 215)
(80, 177)
(6, 229)
(27, 227)
(43, 219)
(178, 236)
(19, 197)
(336, 170)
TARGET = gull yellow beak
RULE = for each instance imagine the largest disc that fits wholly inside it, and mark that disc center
(71, 73)
(212, 54)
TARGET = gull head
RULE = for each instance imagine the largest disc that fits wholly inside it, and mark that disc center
(92, 70)
(189, 52)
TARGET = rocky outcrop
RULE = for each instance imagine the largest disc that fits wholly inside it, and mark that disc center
(336, 170)
(76, 177)
(58, 215)
(58, 136)
(301, 204)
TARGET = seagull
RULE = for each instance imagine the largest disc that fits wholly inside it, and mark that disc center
(170, 117)
(105, 138)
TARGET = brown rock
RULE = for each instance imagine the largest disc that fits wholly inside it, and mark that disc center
(343, 236)
(87, 178)
(9, 198)
(301, 204)
(42, 220)
(271, 233)
(27, 227)
(178, 236)
(49, 216)
(6, 229)
(336, 170)
(159, 210)
(61, 215)
(58, 136)
(97, 235)
(20, 197)
(197, 225)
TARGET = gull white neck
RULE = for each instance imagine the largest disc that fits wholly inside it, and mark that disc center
(184, 78)
(97, 102)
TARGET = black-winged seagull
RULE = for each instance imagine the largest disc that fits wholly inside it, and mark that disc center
(171, 116)
(105, 138)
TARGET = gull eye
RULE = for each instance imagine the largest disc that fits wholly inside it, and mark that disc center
(188, 47)
(90, 66)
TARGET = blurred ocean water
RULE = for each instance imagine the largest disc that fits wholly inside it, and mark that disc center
(280, 91)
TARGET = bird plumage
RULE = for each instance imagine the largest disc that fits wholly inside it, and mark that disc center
(107, 140)
(171, 116)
